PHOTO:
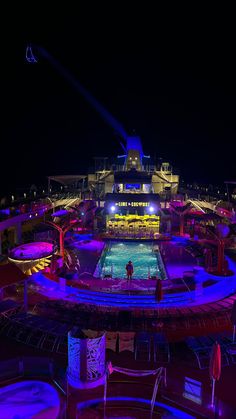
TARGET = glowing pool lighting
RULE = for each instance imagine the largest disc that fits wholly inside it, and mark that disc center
(145, 261)
(224, 287)
(28, 399)
(171, 411)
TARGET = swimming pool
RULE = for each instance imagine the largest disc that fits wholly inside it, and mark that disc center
(146, 260)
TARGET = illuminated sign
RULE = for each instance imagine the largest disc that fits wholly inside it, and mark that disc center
(132, 186)
(132, 204)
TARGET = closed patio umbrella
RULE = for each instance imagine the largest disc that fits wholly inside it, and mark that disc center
(158, 291)
(158, 298)
(215, 367)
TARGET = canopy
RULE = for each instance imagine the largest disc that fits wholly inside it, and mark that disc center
(67, 179)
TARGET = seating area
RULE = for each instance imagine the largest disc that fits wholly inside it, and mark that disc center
(36, 331)
(120, 341)
(154, 346)
(8, 307)
(196, 250)
(51, 335)
(185, 318)
(202, 346)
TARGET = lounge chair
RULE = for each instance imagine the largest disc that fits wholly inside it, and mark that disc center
(161, 348)
(142, 344)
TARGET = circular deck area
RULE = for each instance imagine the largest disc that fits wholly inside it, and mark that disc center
(189, 290)
(32, 257)
(32, 251)
(208, 289)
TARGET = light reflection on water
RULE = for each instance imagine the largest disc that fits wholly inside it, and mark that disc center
(142, 256)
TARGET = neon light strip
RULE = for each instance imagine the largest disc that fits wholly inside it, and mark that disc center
(174, 411)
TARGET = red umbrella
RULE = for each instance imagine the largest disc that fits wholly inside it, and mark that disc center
(159, 291)
(215, 367)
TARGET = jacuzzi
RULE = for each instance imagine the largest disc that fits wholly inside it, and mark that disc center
(29, 400)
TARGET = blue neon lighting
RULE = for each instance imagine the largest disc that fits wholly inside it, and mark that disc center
(223, 287)
(177, 413)
(28, 399)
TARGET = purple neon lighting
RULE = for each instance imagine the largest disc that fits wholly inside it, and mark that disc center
(34, 250)
(223, 287)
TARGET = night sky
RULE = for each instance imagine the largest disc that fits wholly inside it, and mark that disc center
(171, 81)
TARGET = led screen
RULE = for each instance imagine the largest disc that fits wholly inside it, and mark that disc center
(132, 186)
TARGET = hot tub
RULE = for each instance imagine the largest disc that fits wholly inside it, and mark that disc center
(29, 400)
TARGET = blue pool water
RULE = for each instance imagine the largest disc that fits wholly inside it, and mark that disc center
(147, 262)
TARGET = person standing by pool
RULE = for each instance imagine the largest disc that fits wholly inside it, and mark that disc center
(129, 269)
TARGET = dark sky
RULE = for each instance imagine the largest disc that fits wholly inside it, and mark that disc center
(171, 79)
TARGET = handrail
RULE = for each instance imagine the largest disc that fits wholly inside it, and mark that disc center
(160, 376)
(182, 279)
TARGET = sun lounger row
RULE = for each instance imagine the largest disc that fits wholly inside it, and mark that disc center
(202, 347)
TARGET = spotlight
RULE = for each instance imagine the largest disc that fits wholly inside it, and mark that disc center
(113, 208)
(151, 209)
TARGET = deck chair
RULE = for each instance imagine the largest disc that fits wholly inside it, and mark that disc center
(126, 341)
(231, 351)
(111, 340)
(161, 348)
(201, 351)
(35, 338)
(142, 344)
(62, 345)
(49, 342)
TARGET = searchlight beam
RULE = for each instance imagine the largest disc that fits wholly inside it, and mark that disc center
(108, 118)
